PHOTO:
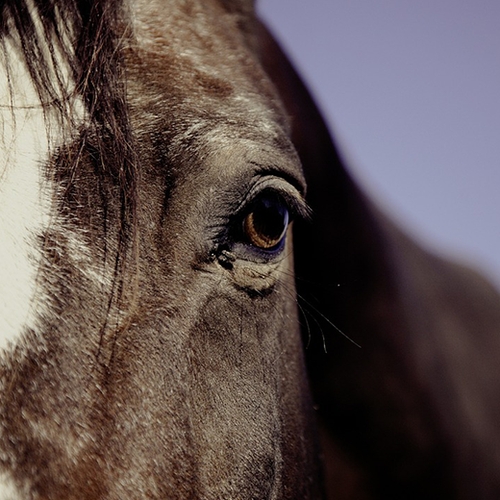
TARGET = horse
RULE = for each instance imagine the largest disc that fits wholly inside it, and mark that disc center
(175, 223)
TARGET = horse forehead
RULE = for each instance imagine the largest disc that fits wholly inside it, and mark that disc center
(189, 27)
(196, 56)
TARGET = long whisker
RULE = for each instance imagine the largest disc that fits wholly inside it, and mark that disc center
(307, 303)
(316, 310)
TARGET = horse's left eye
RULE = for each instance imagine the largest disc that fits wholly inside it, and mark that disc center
(266, 223)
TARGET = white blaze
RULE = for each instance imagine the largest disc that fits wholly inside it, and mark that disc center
(28, 137)
(8, 490)
(25, 201)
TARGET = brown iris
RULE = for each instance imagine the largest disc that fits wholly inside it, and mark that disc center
(265, 225)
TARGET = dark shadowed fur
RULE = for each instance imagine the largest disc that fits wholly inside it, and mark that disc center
(169, 363)
(413, 413)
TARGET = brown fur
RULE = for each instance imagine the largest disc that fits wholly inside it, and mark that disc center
(170, 364)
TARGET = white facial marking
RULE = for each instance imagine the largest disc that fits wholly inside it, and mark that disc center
(8, 491)
(25, 204)
(28, 136)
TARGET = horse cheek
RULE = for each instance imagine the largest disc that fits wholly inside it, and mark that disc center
(250, 407)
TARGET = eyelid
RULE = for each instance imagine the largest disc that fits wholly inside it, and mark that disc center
(290, 194)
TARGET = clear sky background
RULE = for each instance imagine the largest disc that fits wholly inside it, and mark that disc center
(411, 90)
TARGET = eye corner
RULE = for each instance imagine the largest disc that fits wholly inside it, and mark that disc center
(226, 258)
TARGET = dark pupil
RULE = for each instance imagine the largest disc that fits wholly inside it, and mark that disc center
(266, 224)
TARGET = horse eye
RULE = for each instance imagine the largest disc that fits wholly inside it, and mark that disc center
(265, 225)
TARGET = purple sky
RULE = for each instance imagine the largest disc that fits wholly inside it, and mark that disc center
(412, 91)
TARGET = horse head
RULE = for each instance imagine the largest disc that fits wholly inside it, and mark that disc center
(153, 343)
